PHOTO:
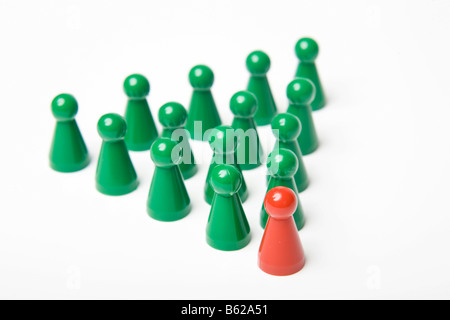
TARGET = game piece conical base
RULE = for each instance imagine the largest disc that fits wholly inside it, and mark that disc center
(141, 132)
(309, 71)
(168, 198)
(115, 172)
(249, 151)
(308, 140)
(203, 115)
(68, 152)
(267, 110)
(227, 228)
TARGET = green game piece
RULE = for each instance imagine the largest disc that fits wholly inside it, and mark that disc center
(286, 128)
(258, 63)
(307, 51)
(115, 172)
(68, 152)
(282, 167)
(168, 199)
(224, 142)
(142, 130)
(300, 93)
(249, 152)
(227, 227)
(203, 114)
(173, 117)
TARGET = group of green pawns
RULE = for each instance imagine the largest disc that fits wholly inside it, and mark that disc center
(236, 147)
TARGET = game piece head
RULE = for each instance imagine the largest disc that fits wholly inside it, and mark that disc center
(282, 163)
(244, 104)
(223, 139)
(201, 77)
(258, 63)
(286, 127)
(301, 91)
(307, 50)
(226, 180)
(64, 107)
(281, 202)
(173, 115)
(164, 153)
(112, 127)
(136, 86)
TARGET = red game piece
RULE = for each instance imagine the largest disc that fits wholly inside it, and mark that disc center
(281, 252)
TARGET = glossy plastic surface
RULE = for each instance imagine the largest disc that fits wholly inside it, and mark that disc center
(281, 252)
(307, 51)
(282, 166)
(202, 108)
(168, 199)
(258, 64)
(249, 152)
(286, 128)
(68, 152)
(300, 93)
(141, 128)
(115, 172)
(227, 227)
(224, 142)
(173, 117)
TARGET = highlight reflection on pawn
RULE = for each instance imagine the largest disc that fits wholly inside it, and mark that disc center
(115, 172)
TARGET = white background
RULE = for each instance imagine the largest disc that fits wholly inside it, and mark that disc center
(377, 209)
